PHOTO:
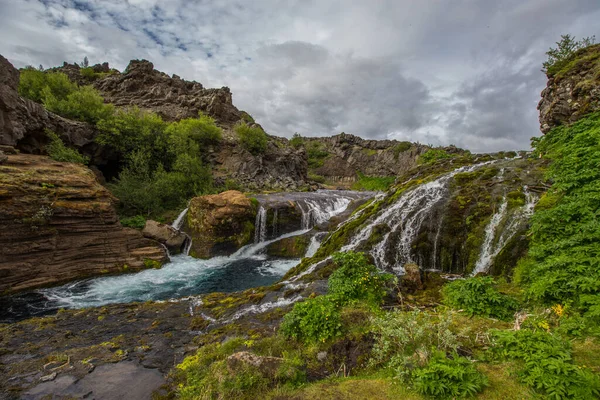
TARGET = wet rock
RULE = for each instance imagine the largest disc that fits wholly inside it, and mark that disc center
(220, 223)
(48, 378)
(291, 247)
(57, 224)
(173, 239)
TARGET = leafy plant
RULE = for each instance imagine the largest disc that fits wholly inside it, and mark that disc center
(449, 378)
(252, 138)
(478, 296)
(57, 150)
(202, 130)
(401, 148)
(313, 320)
(433, 155)
(373, 183)
(296, 141)
(547, 364)
(356, 279)
(34, 83)
(316, 154)
(84, 104)
(136, 222)
(565, 49)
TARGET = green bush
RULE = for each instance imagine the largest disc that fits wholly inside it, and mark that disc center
(373, 183)
(202, 130)
(57, 150)
(547, 364)
(296, 141)
(449, 378)
(253, 139)
(316, 154)
(478, 296)
(563, 53)
(356, 279)
(33, 83)
(84, 104)
(137, 222)
(401, 148)
(563, 264)
(433, 155)
(313, 320)
(404, 340)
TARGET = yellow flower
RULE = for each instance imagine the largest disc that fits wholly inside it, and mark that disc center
(558, 309)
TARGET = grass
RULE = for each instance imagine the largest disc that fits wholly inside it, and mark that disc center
(373, 183)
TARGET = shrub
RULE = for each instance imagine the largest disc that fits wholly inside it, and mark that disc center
(547, 364)
(201, 130)
(478, 296)
(401, 148)
(357, 280)
(449, 378)
(137, 222)
(316, 154)
(33, 82)
(433, 155)
(253, 139)
(564, 51)
(296, 141)
(404, 340)
(314, 320)
(84, 104)
(57, 150)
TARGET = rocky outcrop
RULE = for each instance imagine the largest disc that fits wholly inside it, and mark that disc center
(23, 122)
(573, 91)
(173, 239)
(221, 223)
(57, 224)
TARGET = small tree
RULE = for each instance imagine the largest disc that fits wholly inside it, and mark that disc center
(566, 47)
(252, 138)
(86, 62)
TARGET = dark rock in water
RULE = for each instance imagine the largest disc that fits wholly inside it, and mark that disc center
(165, 234)
(57, 224)
(220, 223)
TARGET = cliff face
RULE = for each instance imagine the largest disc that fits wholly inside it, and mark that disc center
(572, 92)
(57, 224)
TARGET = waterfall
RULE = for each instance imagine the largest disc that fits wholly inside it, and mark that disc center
(315, 243)
(178, 223)
(435, 245)
(491, 247)
(404, 219)
(260, 226)
(275, 223)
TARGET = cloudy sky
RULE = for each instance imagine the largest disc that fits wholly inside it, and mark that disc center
(463, 72)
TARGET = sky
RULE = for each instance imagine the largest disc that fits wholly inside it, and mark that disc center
(440, 72)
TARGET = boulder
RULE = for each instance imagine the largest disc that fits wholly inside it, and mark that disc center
(219, 224)
(173, 239)
(291, 247)
(58, 224)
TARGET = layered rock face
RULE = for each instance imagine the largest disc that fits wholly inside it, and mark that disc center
(57, 224)
(351, 155)
(572, 92)
(23, 122)
(221, 223)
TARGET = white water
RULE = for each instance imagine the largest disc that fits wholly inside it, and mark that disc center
(404, 219)
(315, 243)
(492, 247)
(260, 226)
(178, 223)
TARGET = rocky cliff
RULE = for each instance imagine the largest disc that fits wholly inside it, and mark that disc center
(57, 224)
(573, 91)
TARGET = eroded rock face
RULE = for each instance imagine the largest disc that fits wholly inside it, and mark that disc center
(57, 224)
(173, 239)
(220, 223)
(572, 93)
(23, 122)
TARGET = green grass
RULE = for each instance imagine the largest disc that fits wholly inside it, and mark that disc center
(373, 183)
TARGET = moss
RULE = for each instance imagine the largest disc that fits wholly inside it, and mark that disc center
(148, 263)
(515, 199)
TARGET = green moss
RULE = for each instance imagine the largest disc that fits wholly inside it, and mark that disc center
(149, 263)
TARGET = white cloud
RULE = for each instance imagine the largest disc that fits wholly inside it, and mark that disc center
(463, 72)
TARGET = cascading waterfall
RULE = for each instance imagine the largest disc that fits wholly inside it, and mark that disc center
(178, 223)
(275, 223)
(315, 243)
(405, 217)
(260, 226)
(492, 247)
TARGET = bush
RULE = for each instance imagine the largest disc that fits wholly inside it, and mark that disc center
(296, 141)
(433, 155)
(357, 280)
(401, 148)
(137, 222)
(449, 378)
(57, 150)
(316, 154)
(478, 296)
(547, 364)
(404, 340)
(201, 130)
(564, 51)
(33, 82)
(253, 139)
(314, 320)
(84, 104)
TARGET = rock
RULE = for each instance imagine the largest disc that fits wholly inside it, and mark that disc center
(322, 355)
(173, 239)
(48, 378)
(57, 224)
(572, 94)
(267, 366)
(291, 247)
(3, 157)
(411, 280)
(221, 223)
